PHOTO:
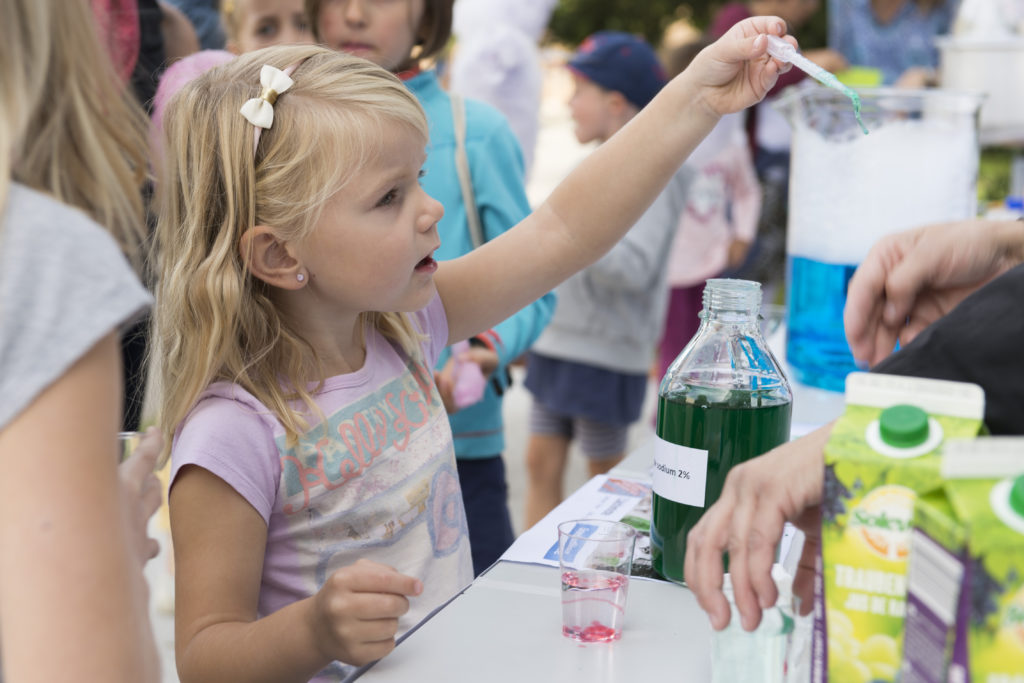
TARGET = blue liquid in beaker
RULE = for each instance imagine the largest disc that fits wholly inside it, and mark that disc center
(816, 347)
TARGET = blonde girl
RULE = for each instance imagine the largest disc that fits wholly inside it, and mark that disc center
(400, 35)
(72, 144)
(315, 508)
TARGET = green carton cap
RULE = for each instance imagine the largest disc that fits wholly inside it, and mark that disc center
(905, 426)
(1017, 496)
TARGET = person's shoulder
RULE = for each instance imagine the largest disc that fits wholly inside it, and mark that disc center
(483, 119)
(489, 136)
(228, 396)
(228, 407)
(25, 204)
(37, 217)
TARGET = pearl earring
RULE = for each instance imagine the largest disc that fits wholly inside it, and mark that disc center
(300, 277)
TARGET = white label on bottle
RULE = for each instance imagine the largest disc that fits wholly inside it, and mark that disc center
(679, 473)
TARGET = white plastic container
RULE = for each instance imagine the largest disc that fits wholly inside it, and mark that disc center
(994, 67)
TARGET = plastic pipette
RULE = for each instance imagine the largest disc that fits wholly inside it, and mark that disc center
(784, 52)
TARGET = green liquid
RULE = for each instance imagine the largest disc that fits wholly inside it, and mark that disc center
(831, 81)
(732, 432)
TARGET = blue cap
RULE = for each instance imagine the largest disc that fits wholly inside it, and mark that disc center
(621, 62)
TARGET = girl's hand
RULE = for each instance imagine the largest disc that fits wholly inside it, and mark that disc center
(736, 71)
(355, 614)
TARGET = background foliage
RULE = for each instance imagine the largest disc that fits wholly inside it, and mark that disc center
(574, 20)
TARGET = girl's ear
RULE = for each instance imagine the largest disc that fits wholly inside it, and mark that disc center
(269, 258)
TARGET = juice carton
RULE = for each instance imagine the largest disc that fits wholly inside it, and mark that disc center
(965, 587)
(883, 452)
(938, 547)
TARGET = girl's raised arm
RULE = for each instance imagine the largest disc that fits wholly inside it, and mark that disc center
(606, 194)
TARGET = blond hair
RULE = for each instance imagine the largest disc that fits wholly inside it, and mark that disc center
(214, 320)
(68, 126)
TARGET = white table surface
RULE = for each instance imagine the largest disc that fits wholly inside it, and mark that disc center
(507, 625)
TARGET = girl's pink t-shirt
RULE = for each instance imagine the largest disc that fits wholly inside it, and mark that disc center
(379, 483)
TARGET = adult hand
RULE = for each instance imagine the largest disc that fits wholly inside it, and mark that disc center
(356, 611)
(736, 71)
(911, 279)
(140, 490)
(747, 521)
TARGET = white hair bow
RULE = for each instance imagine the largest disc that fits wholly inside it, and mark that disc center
(259, 111)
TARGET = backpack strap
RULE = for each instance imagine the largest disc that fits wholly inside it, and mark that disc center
(476, 231)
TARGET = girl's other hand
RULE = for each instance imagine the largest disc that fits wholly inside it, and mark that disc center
(736, 71)
(461, 386)
(140, 490)
(356, 611)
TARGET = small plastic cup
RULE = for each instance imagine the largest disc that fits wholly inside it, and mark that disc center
(126, 444)
(595, 557)
(771, 653)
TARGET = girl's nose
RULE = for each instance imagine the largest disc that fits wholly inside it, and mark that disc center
(431, 214)
(355, 12)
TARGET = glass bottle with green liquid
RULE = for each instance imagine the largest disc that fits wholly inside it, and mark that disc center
(723, 401)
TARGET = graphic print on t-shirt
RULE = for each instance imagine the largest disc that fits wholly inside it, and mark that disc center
(383, 469)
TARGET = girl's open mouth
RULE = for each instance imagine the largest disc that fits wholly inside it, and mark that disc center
(356, 48)
(426, 265)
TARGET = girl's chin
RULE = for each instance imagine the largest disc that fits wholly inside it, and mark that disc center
(419, 299)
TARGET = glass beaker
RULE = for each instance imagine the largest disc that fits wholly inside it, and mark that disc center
(917, 165)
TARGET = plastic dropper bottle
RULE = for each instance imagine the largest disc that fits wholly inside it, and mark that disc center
(723, 401)
(785, 52)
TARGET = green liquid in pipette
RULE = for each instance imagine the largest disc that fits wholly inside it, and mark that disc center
(831, 81)
(826, 78)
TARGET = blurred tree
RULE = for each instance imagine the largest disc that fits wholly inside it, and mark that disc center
(574, 20)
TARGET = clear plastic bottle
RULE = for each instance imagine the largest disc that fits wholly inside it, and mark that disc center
(723, 401)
